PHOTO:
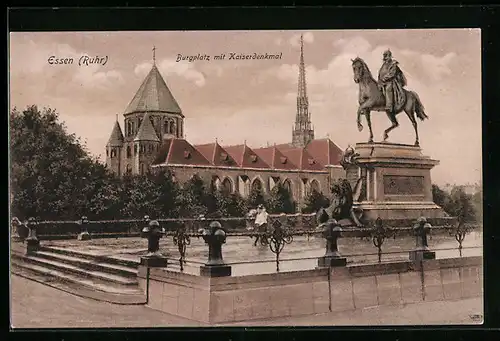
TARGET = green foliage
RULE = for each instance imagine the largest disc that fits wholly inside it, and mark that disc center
(194, 200)
(462, 206)
(280, 200)
(256, 197)
(52, 175)
(314, 201)
(458, 203)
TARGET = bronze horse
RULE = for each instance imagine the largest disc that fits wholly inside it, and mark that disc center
(371, 98)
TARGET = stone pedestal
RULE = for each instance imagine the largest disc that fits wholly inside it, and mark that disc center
(420, 255)
(32, 245)
(215, 270)
(330, 262)
(154, 261)
(397, 183)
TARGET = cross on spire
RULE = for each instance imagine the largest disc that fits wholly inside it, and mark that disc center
(154, 55)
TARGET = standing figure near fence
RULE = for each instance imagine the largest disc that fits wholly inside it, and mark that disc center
(260, 222)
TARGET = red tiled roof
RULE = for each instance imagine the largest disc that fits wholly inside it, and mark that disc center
(179, 151)
(301, 158)
(325, 151)
(275, 158)
(216, 154)
(246, 157)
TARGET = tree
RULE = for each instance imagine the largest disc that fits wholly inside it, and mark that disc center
(280, 200)
(256, 197)
(314, 201)
(441, 198)
(52, 175)
(194, 200)
(462, 206)
(477, 202)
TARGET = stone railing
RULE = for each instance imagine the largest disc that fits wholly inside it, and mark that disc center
(67, 229)
(279, 232)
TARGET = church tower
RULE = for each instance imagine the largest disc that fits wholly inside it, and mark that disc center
(302, 133)
(152, 116)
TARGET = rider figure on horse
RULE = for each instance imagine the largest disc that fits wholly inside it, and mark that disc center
(391, 82)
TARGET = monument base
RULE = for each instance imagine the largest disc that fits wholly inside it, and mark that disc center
(420, 255)
(331, 262)
(215, 270)
(154, 261)
(396, 183)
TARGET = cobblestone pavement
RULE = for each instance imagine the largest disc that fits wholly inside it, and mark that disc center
(34, 305)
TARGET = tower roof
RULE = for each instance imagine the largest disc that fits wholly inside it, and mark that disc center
(116, 138)
(153, 95)
(146, 131)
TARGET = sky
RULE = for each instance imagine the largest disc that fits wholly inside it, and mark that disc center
(255, 100)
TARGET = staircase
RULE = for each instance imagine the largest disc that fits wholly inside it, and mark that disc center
(104, 278)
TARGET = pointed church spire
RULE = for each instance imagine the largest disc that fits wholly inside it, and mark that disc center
(146, 131)
(154, 55)
(302, 133)
(302, 91)
(116, 138)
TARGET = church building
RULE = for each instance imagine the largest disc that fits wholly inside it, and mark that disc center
(154, 139)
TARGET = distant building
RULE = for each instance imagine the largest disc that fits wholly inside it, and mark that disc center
(154, 138)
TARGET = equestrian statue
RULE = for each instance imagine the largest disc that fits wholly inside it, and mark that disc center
(387, 94)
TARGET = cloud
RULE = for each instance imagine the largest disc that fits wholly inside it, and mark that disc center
(31, 59)
(437, 67)
(356, 45)
(90, 76)
(182, 69)
(419, 68)
(308, 39)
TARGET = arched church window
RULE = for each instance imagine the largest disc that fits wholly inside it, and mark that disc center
(107, 152)
(166, 127)
(128, 169)
(257, 185)
(113, 152)
(288, 185)
(227, 186)
(142, 169)
(129, 151)
(314, 186)
(135, 149)
(172, 127)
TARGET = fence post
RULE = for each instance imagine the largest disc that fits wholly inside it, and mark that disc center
(32, 242)
(421, 229)
(84, 233)
(332, 257)
(153, 232)
(214, 236)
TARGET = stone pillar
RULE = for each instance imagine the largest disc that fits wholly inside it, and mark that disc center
(153, 232)
(421, 252)
(215, 236)
(332, 257)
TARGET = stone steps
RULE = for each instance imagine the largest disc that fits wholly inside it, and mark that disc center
(113, 259)
(106, 278)
(88, 264)
(83, 287)
(75, 270)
